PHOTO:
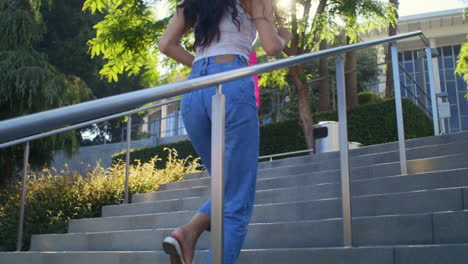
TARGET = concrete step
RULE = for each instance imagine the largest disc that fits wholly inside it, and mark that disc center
(425, 201)
(367, 231)
(415, 254)
(374, 170)
(306, 189)
(369, 150)
(431, 180)
(427, 151)
(361, 161)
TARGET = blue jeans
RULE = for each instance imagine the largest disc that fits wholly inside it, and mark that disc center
(241, 147)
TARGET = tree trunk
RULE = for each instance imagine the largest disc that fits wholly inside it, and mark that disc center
(305, 113)
(324, 90)
(392, 31)
(351, 80)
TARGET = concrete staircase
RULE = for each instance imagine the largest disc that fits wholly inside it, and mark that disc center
(417, 218)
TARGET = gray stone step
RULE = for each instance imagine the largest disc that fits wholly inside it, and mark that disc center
(369, 151)
(415, 254)
(374, 170)
(370, 205)
(432, 180)
(367, 231)
(361, 161)
(309, 189)
(374, 149)
(427, 151)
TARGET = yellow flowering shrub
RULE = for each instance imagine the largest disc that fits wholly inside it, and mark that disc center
(55, 197)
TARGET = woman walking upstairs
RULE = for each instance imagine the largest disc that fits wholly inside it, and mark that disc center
(225, 31)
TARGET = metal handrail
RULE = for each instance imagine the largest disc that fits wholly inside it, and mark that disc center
(415, 97)
(414, 81)
(83, 124)
(80, 114)
(285, 154)
(31, 124)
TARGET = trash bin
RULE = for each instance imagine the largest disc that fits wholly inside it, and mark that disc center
(327, 139)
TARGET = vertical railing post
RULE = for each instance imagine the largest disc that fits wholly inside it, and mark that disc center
(127, 157)
(399, 110)
(430, 73)
(217, 177)
(19, 241)
(344, 162)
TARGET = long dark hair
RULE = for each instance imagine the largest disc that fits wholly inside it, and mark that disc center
(204, 16)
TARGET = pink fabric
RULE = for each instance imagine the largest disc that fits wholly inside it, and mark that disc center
(253, 61)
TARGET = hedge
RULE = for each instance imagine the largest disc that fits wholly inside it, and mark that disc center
(368, 124)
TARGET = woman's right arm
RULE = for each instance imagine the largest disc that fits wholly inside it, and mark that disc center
(272, 40)
(170, 41)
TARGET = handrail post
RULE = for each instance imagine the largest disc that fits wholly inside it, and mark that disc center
(344, 157)
(19, 242)
(127, 157)
(217, 176)
(435, 110)
(399, 109)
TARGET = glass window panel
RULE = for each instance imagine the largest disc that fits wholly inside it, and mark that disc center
(452, 93)
(465, 123)
(409, 95)
(400, 57)
(449, 75)
(407, 55)
(439, 60)
(416, 65)
(447, 51)
(419, 79)
(448, 62)
(409, 66)
(463, 104)
(461, 84)
(403, 91)
(454, 122)
(181, 124)
(456, 50)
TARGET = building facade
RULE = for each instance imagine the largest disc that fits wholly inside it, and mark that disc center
(446, 30)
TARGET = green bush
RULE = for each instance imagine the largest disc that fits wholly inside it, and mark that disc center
(369, 98)
(184, 149)
(368, 124)
(54, 198)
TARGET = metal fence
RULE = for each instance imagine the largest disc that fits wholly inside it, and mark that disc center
(35, 126)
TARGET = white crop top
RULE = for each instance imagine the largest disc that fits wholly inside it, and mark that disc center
(232, 40)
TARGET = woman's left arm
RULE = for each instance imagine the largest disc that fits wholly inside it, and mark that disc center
(170, 41)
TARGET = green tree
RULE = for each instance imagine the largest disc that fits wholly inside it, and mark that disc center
(392, 31)
(65, 43)
(359, 16)
(29, 83)
(127, 37)
(462, 62)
